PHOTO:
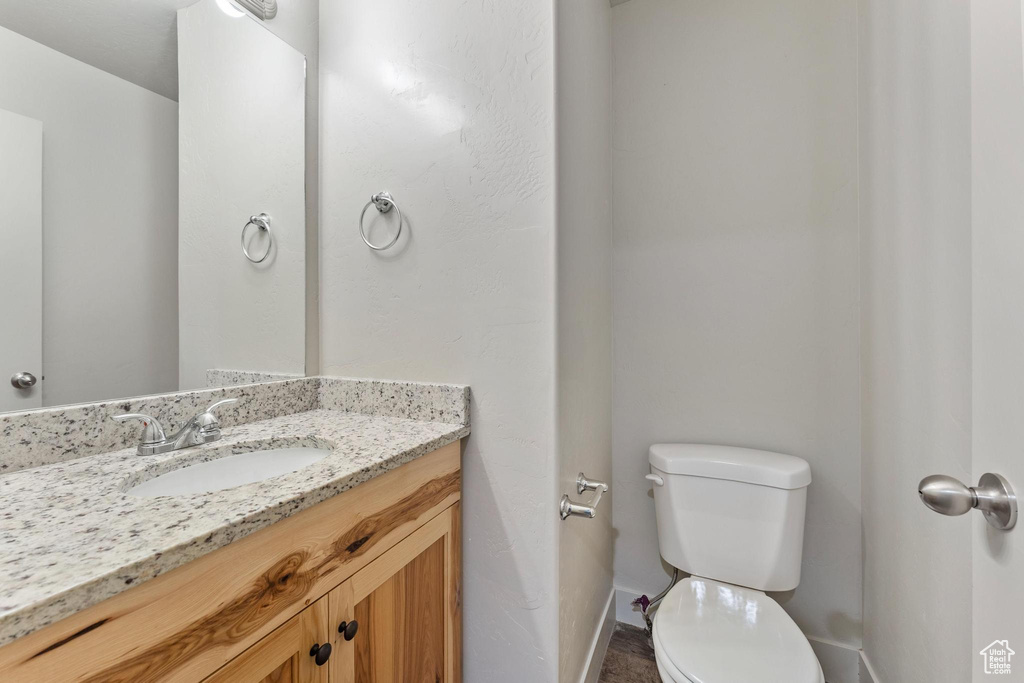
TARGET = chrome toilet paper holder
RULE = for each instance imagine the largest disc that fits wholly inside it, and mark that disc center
(567, 507)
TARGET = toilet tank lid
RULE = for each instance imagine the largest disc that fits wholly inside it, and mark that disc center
(733, 464)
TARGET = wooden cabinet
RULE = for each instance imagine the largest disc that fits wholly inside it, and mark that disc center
(285, 656)
(385, 554)
(406, 611)
(407, 608)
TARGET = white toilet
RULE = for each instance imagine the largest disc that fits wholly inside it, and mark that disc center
(734, 519)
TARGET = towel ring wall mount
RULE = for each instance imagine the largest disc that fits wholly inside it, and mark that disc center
(261, 221)
(384, 203)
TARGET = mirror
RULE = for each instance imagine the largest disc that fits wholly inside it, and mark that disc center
(152, 199)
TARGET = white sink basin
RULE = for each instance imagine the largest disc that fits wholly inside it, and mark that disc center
(229, 472)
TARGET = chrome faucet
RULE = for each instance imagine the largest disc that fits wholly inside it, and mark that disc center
(203, 428)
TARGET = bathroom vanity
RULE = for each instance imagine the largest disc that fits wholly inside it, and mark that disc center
(344, 570)
(316, 536)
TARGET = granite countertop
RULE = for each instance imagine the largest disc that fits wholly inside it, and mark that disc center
(71, 537)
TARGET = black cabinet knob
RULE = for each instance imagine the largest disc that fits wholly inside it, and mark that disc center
(348, 629)
(321, 652)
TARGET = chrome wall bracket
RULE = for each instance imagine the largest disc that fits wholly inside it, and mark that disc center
(567, 507)
(993, 496)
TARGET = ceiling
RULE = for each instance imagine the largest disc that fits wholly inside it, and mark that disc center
(135, 40)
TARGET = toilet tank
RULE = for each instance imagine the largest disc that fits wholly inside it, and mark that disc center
(731, 514)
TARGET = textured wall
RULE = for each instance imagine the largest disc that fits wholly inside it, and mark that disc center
(242, 152)
(997, 314)
(584, 320)
(110, 213)
(915, 181)
(735, 266)
(450, 106)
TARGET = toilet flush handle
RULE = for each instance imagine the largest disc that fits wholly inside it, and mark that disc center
(658, 481)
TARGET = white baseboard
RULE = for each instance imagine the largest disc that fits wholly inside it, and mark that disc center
(625, 612)
(599, 645)
(840, 663)
(867, 672)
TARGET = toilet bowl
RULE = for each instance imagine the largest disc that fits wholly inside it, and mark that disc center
(733, 518)
(711, 632)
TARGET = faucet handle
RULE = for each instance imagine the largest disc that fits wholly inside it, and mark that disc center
(152, 431)
(207, 421)
(220, 403)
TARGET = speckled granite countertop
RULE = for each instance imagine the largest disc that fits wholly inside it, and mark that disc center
(70, 537)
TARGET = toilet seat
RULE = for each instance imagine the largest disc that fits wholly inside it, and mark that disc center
(668, 673)
(706, 631)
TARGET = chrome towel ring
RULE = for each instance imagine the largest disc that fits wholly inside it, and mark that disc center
(261, 221)
(383, 201)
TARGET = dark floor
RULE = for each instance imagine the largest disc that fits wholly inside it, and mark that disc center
(630, 658)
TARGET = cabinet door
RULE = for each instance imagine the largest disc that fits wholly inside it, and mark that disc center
(407, 607)
(285, 655)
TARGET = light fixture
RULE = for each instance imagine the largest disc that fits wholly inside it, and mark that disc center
(262, 9)
(229, 8)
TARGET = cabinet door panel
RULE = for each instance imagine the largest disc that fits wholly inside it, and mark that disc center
(285, 673)
(407, 609)
(403, 621)
(284, 655)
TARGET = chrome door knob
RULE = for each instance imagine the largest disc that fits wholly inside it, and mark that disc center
(993, 496)
(946, 495)
(23, 380)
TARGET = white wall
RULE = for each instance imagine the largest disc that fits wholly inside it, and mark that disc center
(584, 300)
(735, 266)
(450, 106)
(241, 93)
(110, 214)
(298, 23)
(997, 313)
(915, 184)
